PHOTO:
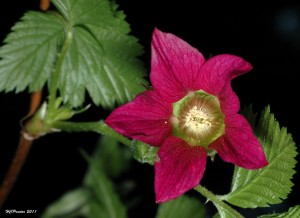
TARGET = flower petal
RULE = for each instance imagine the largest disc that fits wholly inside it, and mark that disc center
(239, 145)
(179, 169)
(146, 118)
(215, 78)
(229, 101)
(174, 66)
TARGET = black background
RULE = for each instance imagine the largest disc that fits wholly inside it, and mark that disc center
(267, 35)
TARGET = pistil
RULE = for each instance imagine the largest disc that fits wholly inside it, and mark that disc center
(199, 119)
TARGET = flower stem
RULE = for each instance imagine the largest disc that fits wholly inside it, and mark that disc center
(57, 70)
(142, 152)
(223, 208)
(98, 127)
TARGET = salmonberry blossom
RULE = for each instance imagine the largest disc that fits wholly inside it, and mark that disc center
(191, 111)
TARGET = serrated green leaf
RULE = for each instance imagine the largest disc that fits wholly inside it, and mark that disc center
(29, 52)
(100, 56)
(293, 212)
(71, 204)
(271, 184)
(181, 207)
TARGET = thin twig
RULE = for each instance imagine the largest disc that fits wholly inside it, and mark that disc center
(24, 143)
(36, 98)
(14, 169)
(21, 154)
(44, 5)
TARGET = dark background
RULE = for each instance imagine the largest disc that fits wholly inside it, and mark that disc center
(266, 35)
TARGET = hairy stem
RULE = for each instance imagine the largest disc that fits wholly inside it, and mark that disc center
(98, 127)
(142, 152)
(223, 208)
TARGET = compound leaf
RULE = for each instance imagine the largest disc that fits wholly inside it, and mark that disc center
(29, 52)
(99, 56)
(271, 184)
(293, 212)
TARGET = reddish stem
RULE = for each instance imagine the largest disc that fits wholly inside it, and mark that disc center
(14, 169)
(21, 153)
(44, 5)
(36, 98)
(24, 144)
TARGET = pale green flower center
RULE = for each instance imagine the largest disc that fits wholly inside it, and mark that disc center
(198, 119)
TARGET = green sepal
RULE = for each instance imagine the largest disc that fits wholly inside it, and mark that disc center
(63, 112)
(42, 122)
(143, 152)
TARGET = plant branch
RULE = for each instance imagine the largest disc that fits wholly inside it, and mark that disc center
(36, 98)
(15, 168)
(24, 143)
(98, 127)
(142, 152)
(223, 208)
(44, 5)
(20, 155)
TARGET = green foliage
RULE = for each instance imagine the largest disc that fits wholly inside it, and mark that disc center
(30, 51)
(105, 201)
(271, 184)
(71, 204)
(293, 212)
(181, 207)
(99, 56)
(224, 210)
(96, 197)
(112, 157)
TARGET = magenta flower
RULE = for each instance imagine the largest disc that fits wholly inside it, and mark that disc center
(191, 111)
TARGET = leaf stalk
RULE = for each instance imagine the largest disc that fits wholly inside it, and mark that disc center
(223, 208)
(98, 127)
(58, 67)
